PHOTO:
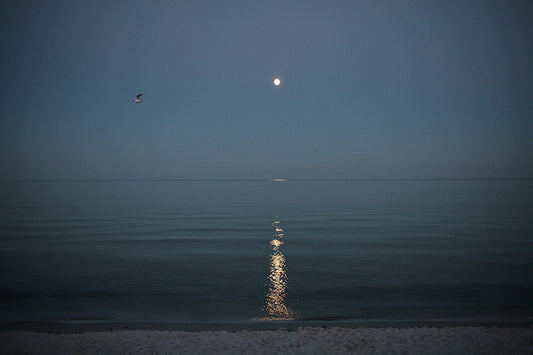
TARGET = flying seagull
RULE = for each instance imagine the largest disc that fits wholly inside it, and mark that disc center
(138, 99)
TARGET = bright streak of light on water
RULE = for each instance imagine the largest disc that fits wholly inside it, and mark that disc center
(275, 307)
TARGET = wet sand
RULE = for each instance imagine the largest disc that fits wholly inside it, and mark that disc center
(104, 326)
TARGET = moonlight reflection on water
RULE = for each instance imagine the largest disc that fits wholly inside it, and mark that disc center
(275, 307)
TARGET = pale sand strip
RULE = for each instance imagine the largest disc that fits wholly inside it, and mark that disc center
(424, 340)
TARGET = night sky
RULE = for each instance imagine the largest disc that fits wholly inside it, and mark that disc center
(369, 89)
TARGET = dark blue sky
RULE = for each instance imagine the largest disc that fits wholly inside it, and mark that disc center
(370, 89)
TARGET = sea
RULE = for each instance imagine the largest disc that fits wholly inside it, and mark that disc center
(266, 249)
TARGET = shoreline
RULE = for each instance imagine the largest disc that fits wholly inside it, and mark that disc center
(82, 326)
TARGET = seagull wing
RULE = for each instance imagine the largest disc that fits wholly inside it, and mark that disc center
(138, 96)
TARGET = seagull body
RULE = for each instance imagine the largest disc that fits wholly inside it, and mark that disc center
(138, 99)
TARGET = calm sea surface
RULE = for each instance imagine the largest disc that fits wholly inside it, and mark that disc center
(204, 250)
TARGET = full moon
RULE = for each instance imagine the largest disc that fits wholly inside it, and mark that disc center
(277, 81)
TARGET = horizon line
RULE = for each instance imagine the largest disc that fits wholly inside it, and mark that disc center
(273, 179)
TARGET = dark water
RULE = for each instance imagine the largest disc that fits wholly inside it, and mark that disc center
(200, 250)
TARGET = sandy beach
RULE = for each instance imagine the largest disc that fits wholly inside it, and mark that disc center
(264, 338)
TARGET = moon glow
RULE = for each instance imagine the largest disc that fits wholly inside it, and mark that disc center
(277, 82)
